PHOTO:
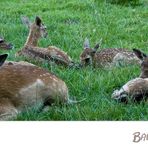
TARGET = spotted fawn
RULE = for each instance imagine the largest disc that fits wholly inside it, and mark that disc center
(31, 49)
(137, 88)
(25, 85)
(106, 57)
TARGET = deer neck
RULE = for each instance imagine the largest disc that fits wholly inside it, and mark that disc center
(32, 39)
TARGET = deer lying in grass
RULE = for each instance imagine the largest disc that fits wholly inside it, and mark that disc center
(5, 45)
(137, 88)
(26, 85)
(106, 57)
(31, 49)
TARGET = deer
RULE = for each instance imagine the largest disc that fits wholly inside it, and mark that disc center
(106, 57)
(30, 49)
(23, 86)
(5, 45)
(135, 89)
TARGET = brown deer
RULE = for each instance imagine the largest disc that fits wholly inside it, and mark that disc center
(31, 49)
(137, 88)
(26, 85)
(106, 57)
(4, 45)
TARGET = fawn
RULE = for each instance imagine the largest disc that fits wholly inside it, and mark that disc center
(138, 87)
(5, 45)
(31, 49)
(106, 57)
(26, 85)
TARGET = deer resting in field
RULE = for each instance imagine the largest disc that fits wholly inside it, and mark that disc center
(4, 45)
(31, 49)
(26, 85)
(137, 88)
(106, 57)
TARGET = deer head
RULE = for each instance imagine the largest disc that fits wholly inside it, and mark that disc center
(86, 57)
(5, 45)
(37, 30)
(144, 62)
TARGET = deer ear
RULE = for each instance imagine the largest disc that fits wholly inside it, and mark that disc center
(26, 21)
(86, 43)
(96, 47)
(3, 57)
(38, 21)
(139, 54)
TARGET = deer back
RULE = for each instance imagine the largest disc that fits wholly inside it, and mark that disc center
(50, 54)
(105, 56)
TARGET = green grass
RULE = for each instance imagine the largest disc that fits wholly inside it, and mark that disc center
(69, 22)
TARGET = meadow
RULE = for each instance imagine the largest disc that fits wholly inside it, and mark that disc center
(69, 22)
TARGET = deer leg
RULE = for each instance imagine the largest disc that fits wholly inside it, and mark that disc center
(7, 111)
